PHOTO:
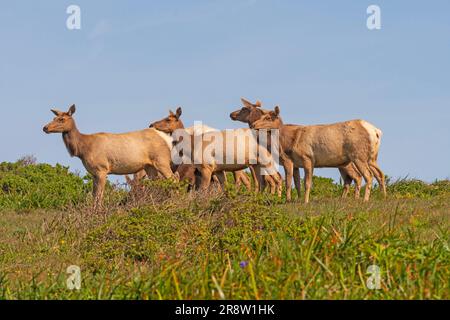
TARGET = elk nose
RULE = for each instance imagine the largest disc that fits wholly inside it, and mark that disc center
(232, 116)
(151, 126)
(45, 129)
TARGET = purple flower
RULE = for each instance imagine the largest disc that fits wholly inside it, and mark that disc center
(243, 264)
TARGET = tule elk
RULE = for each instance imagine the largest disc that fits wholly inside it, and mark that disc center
(106, 153)
(252, 112)
(333, 145)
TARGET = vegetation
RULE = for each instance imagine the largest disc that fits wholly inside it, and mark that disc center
(162, 242)
(26, 185)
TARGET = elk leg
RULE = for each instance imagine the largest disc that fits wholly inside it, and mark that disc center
(152, 173)
(197, 179)
(246, 181)
(350, 174)
(221, 177)
(206, 174)
(289, 169)
(240, 177)
(237, 179)
(259, 178)
(256, 178)
(263, 183)
(347, 182)
(364, 168)
(356, 176)
(297, 182)
(278, 184)
(269, 182)
(164, 169)
(273, 184)
(139, 177)
(99, 188)
(358, 184)
(379, 175)
(309, 171)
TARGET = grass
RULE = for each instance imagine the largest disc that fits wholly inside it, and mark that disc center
(165, 243)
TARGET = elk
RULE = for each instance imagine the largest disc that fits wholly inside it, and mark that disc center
(173, 123)
(252, 112)
(333, 145)
(103, 154)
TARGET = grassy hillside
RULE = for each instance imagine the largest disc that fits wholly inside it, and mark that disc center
(165, 243)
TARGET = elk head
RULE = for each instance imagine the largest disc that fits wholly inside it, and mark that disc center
(62, 123)
(249, 113)
(270, 120)
(169, 124)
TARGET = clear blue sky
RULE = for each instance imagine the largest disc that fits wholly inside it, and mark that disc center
(132, 60)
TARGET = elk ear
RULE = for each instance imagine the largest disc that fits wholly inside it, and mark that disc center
(56, 112)
(72, 110)
(258, 104)
(179, 113)
(277, 110)
(246, 103)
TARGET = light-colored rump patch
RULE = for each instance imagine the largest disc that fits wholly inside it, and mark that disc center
(375, 135)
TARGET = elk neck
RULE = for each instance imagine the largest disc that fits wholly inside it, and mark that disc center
(73, 140)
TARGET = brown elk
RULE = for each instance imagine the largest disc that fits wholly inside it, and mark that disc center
(106, 153)
(252, 112)
(173, 122)
(333, 145)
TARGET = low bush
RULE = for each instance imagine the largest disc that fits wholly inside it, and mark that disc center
(27, 185)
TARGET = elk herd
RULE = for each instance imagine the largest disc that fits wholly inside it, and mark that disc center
(200, 154)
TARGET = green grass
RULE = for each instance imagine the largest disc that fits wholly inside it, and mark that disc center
(165, 243)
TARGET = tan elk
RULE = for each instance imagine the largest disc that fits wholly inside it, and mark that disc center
(333, 145)
(252, 112)
(106, 153)
(173, 123)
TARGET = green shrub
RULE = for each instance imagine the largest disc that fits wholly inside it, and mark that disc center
(325, 187)
(25, 185)
(418, 189)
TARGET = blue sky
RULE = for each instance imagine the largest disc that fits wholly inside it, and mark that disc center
(133, 60)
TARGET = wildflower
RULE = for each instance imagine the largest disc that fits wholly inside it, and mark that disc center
(243, 264)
